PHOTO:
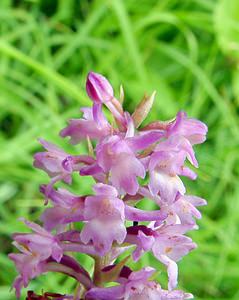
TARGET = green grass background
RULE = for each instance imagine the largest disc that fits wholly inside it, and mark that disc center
(188, 50)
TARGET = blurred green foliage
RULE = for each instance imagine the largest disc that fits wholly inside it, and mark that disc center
(187, 50)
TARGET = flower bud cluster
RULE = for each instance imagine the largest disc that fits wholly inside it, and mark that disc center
(124, 155)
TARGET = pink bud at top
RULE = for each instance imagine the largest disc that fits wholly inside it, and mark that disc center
(98, 88)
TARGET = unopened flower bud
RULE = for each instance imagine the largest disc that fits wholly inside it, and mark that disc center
(98, 88)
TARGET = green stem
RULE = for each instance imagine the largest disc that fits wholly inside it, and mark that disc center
(97, 271)
(100, 263)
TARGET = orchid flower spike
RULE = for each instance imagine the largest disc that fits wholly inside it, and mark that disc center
(128, 162)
